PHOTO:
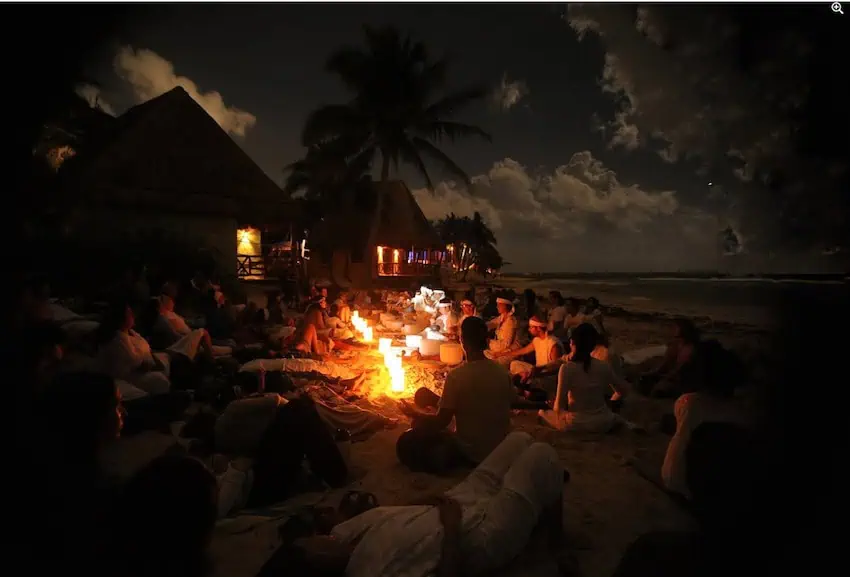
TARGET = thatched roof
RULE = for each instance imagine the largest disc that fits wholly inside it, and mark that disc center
(402, 223)
(169, 154)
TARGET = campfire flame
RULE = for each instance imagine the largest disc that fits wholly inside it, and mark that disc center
(392, 356)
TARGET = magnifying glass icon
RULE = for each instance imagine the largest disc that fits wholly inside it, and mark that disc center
(836, 8)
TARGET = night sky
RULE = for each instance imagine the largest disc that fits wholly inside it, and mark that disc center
(624, 138)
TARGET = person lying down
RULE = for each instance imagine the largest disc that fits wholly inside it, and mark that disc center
(479, 525)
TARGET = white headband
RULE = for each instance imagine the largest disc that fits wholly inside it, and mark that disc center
(503, 301)
(467, 302)
(536, 323)
(444, 305)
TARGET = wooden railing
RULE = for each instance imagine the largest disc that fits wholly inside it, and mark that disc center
(414, 269)
(248, 266)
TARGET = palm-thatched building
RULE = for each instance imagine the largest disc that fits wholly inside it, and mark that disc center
(355, 246)
(166, 165)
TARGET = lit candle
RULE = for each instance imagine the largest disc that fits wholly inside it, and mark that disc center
(355, 316)
(384, 344)
(397, 380)
(367, 334)
(413, 341)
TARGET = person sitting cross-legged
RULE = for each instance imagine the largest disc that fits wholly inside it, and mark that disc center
(547, 349)
(477, 395)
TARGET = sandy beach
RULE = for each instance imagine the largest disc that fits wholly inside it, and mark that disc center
(607, 505)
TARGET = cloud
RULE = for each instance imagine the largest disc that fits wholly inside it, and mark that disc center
(92, 94)
(695, 83)
(579, 217)
(150, 75)
(508, 94)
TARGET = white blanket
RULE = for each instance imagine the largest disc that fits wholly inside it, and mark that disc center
(331, 370)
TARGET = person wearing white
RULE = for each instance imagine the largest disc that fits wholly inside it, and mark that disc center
(180, 337)
(128, 356)
(546, 348)
(583, 385)
(467, 309)
(505, 326)
(491, 517)
(447, 320)
(557, 313)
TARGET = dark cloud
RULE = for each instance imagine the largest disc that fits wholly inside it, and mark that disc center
(580, 217)
(739, 92)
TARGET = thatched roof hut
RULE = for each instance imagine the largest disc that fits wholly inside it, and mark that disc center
(401, 222)
(168, 154)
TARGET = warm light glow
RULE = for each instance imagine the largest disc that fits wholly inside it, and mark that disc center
(397, 379)
(367, 334)
(380, 255)
(355, 316)
(395, 256)
(413, 341)
(248, 242)
(384, 344)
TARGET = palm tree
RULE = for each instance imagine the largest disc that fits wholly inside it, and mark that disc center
(472, 241)
(324, 173)
(398, 107)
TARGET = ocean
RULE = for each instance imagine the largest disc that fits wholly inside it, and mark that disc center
(750, 300)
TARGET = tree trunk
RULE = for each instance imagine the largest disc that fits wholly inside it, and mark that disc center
(376, 218)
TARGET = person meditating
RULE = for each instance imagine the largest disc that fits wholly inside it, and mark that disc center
(546, 349)
(583, 385)
(675, 374)
(170, 331)
(477, 395)
(476, 528)
(312, 336)
(467, 309)
(505, 326)
(126, 355)
(446, 320)
(557, 314)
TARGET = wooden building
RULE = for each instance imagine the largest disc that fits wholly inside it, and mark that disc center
(166, 165)
(355, 246)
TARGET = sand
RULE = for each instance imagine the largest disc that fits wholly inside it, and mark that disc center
(607, 505)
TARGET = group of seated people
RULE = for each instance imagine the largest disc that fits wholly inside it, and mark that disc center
(160, 521)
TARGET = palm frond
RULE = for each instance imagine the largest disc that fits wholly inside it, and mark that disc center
(452, 131)
(451, 104)
(410, 154)
(441, 158)
(330, 122)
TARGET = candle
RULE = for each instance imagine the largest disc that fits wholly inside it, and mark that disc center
(397, 379)
(355, 316)
(384, 344)
(413, 341)
(367, 334)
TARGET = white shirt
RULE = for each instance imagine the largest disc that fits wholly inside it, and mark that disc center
(543, 349)
(506, 328)
(556, 318)
(126, 353)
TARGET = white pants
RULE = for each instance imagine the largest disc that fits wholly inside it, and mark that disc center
(509, 488)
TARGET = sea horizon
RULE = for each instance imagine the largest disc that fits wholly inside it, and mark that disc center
(827, 277)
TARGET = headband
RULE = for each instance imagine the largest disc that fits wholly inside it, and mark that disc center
(445, 304)
(467, 302)
(536, 323)
(504, 301)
